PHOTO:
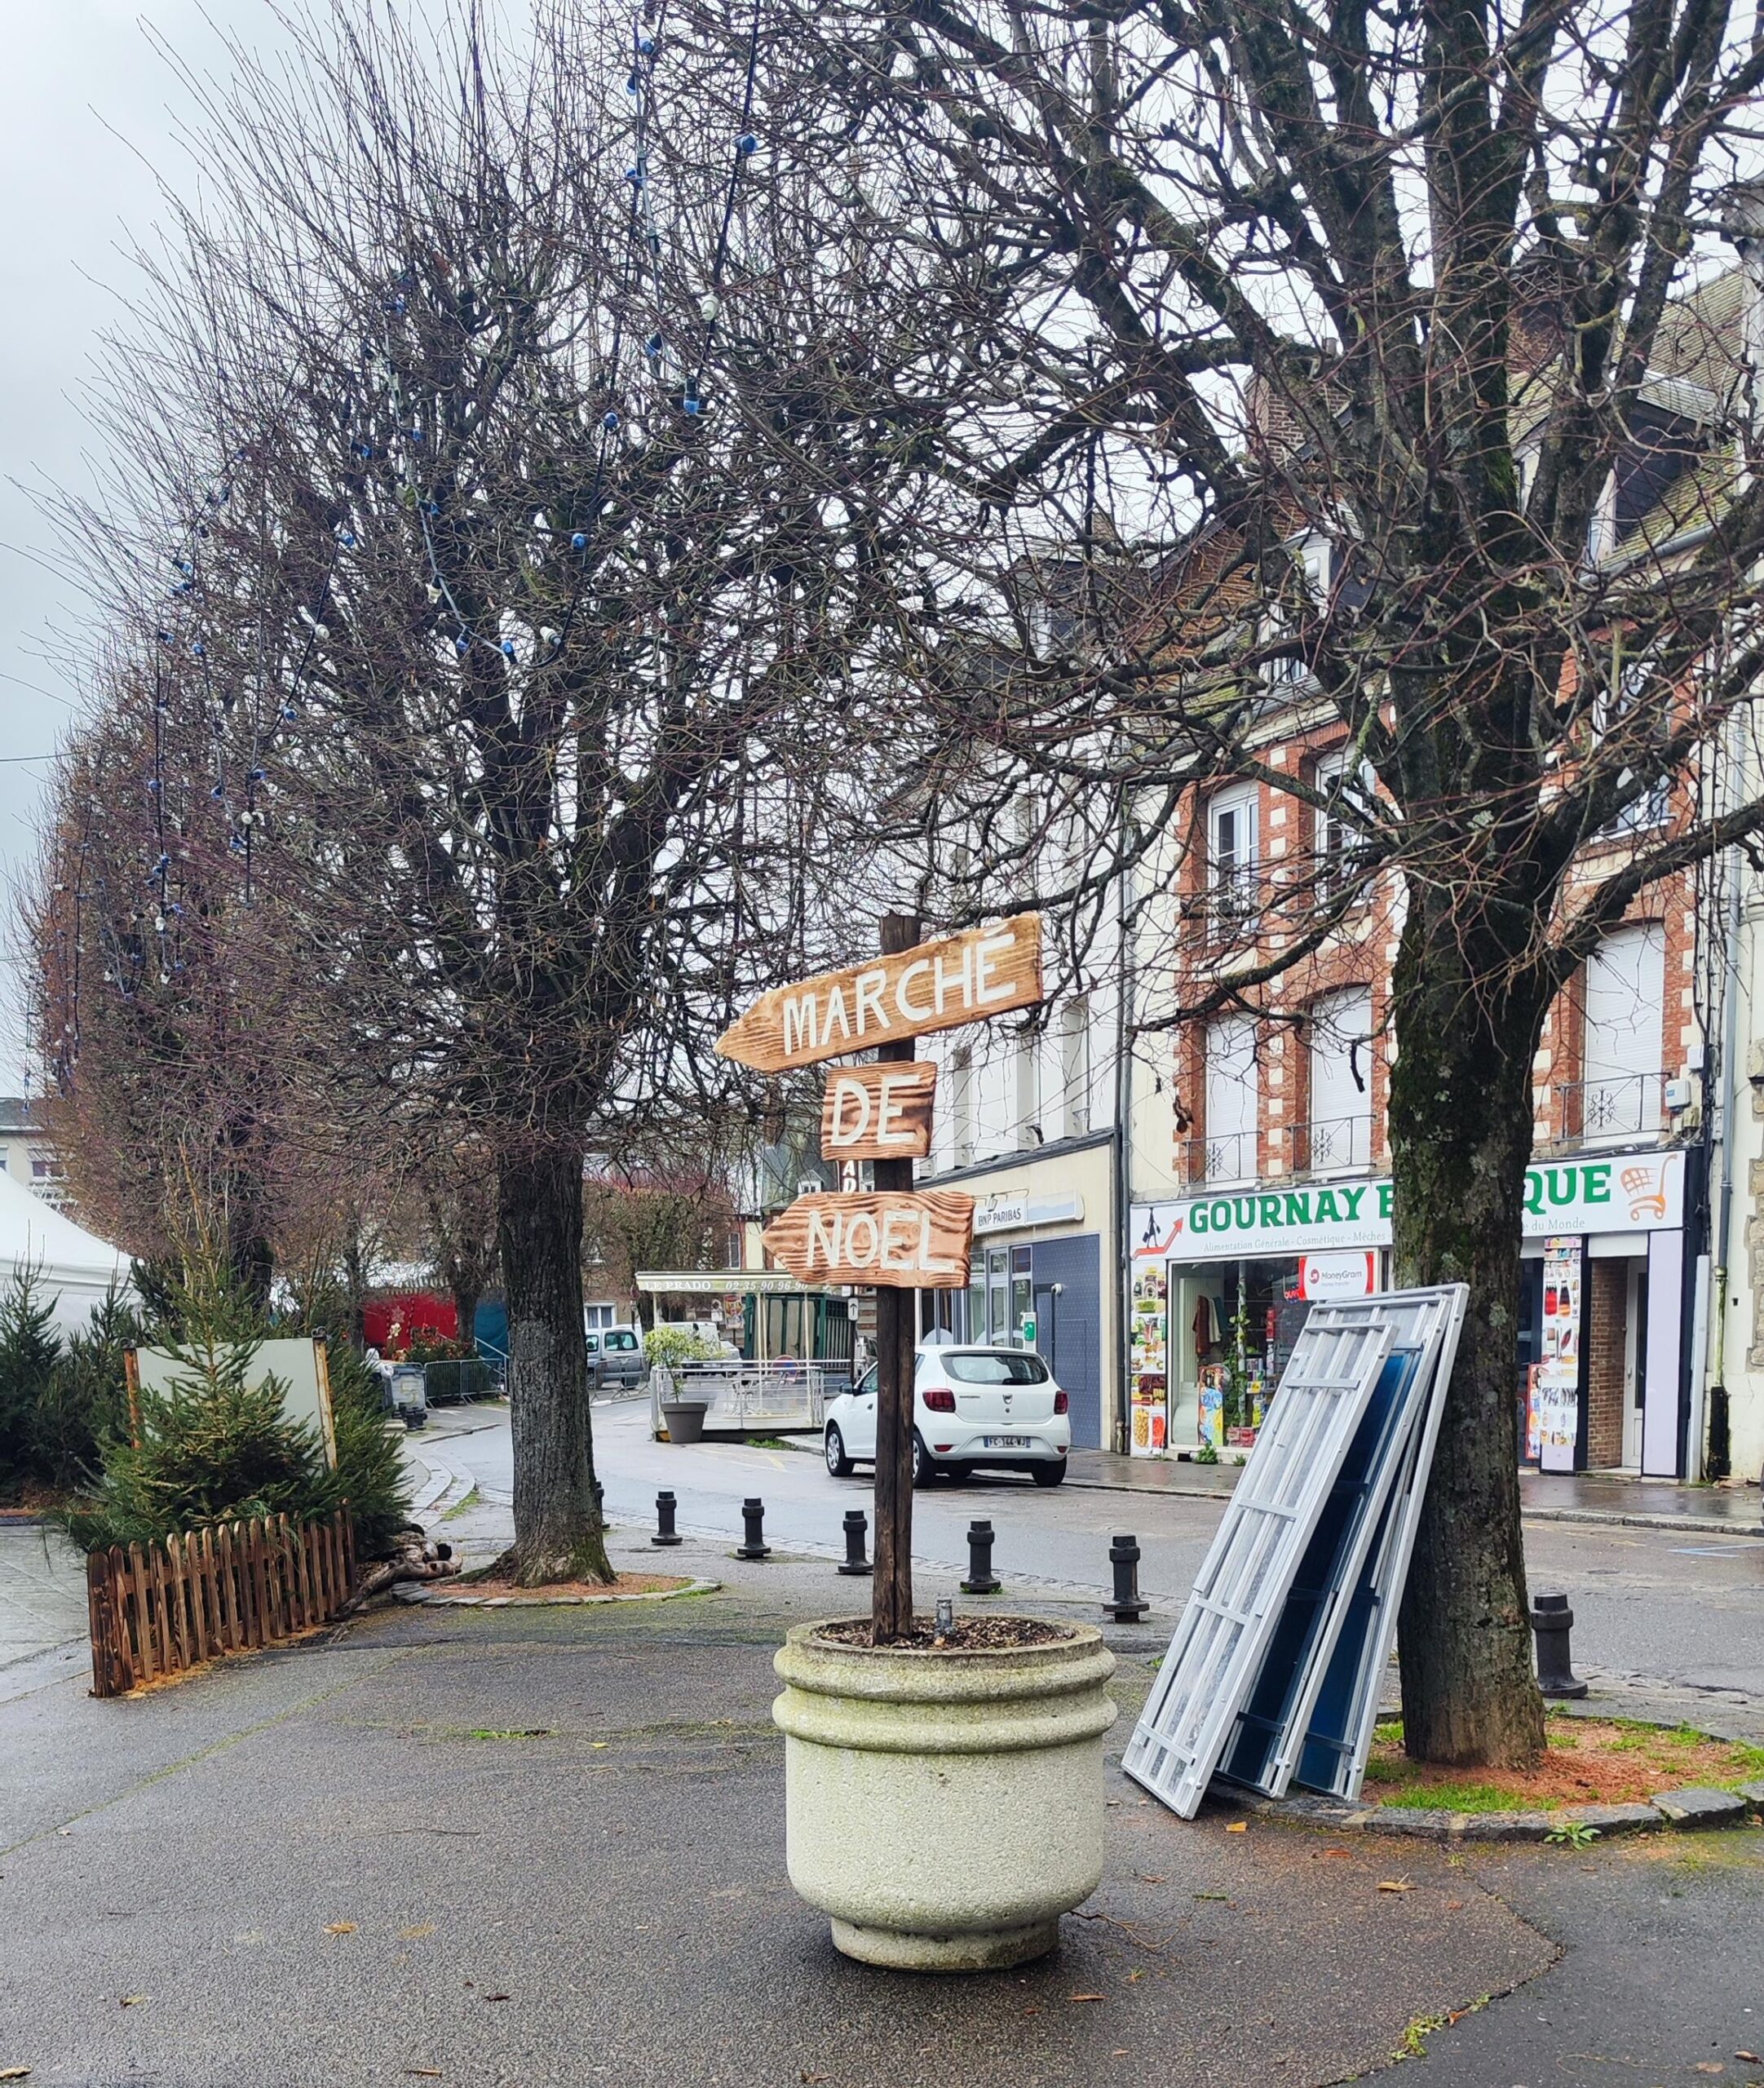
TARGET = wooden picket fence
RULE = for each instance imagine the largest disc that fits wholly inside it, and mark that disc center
(158, 1610)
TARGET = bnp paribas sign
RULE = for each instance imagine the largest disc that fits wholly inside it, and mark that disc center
(1615, 1192)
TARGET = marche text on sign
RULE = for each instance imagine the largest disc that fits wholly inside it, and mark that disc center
(935, 985)
(906, 1240)
(878, 1112)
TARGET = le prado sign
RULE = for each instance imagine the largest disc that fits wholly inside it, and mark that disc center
(1618, 1192)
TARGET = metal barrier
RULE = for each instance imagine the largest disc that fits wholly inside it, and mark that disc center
(743, 1398)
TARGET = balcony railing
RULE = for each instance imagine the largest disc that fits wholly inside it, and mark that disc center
(1216, 1162)
(1333, 1145)
(1613, 1111)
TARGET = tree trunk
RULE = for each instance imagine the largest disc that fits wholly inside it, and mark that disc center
(559, 1533)
(1460, 1137)
(253, 1261)
(466, 1297)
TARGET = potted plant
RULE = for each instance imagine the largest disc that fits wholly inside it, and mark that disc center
(943, 1784)
(667, 1348)
(943, 1801)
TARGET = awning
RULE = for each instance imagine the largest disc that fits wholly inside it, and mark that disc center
(727, 1283)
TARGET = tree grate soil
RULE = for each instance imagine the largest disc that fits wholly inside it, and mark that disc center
(968, 1635)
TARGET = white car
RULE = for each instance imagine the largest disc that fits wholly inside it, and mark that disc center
(996, 1407)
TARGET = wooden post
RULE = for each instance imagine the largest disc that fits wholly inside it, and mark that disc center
(229, 1582)
(99, 1604)
(131, 1379)
(896, 1341)
(140, 1604)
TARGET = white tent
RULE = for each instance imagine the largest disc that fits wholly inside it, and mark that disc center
(73, 1268)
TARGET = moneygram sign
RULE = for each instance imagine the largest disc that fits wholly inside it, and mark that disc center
(1618, 1192)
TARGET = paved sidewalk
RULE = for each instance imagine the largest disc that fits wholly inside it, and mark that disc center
(507, 1849)
(546, 1846)
(42, 1593)
(1545, 1497)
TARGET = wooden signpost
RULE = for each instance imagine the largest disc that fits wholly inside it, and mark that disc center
(896, 1239)
(915, 1241)
(878, 1112)
(908, 992)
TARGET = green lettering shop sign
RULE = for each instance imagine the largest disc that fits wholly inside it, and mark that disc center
(1617, 1192)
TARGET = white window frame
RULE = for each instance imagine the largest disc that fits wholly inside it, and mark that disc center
(1620, 1102)
(1611, 708)
(962, 1103)
(1075, 1066)
(1233, 893)
(1315, 555)
(1230, 1155)
(1353, 1154)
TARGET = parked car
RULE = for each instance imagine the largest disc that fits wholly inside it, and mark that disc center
(616, 1359)
(996, 1407)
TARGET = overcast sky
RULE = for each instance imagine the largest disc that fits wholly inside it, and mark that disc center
(89, 110)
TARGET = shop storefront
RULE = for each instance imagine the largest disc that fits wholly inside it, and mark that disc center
(1222, 1285)
(1043, 1238)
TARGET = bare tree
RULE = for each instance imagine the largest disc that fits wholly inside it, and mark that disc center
(1442, 291)
(174, 1033)
(530, 538)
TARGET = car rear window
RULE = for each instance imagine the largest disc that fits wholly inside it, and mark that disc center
(621, 1341)
(1010, 1366)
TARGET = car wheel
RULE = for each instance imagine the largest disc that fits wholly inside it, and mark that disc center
(1050, 1475)
(923, 1469)
(838, 1464)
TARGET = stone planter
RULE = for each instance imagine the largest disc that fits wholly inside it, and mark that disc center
(944, 1807)
(685, 1419)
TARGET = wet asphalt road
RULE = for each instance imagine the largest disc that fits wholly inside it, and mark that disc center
(1677, 1607)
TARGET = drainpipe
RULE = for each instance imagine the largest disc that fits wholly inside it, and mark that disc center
(1124, 995)
(1716, 1373)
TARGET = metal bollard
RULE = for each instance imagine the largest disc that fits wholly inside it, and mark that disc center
(1552, 1621)
(856, 1532)
(754, 1545)
(666, 1532)
(1129, 1605)
(982, 1580)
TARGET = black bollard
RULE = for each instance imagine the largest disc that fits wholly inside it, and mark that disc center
(1552, 1621)
(1129, 1606)
(666, 1532)
(982, 1580)
(754, 1545)
(856, 1531)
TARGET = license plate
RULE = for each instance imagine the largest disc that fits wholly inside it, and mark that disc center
(1005, 1443)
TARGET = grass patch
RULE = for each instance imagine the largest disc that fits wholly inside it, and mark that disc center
(1406, 1783)
(1586, 1761)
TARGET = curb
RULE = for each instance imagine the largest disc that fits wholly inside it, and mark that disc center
(446, 1487)
(1696, 1807)
(1697, 1526)
(420, 1592)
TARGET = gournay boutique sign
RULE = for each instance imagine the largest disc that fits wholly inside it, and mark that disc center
(1618, 1192)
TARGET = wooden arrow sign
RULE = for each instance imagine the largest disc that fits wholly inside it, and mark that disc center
(904, 1240)
(878, 1112)
(935, 985)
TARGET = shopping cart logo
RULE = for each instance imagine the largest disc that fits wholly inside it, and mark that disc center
(1642, 1186)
